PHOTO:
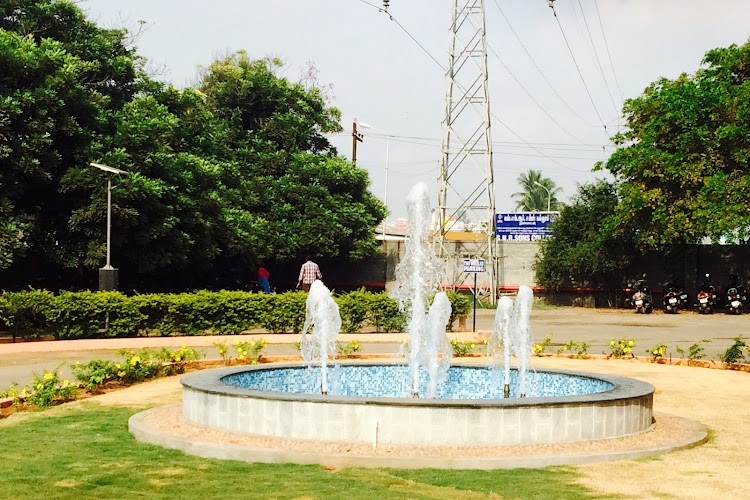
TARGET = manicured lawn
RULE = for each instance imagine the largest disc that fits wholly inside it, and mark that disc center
(85, 451)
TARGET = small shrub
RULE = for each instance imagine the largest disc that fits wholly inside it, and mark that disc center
(461, 349)
(348, 348)
(569, 346)
(657, 352)
(48, 388)
(540, 349)
(223, 350)
(734, 353)
(695, 351)
(96, 373)
(174, 361)
(138, 366)
(10, 392)
(582, 351)
(250, 352)
(621, 347)
(460, 306)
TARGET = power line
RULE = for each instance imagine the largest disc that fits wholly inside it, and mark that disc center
(596, 56)
(575, 62)
(528, 93)
(493, 115)
(543, 75)
(609, 55)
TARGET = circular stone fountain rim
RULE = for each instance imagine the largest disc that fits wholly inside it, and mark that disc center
(210, 382)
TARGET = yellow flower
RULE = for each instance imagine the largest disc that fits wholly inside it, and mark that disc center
(135, 360)
(39, 387)
(120, 374)
(65, 383)
(117, 366)
(631, 343)
(49, 376)
(24, 393)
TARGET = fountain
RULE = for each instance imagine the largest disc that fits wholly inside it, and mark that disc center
(427, 403)
(418, 276)
(322, 314)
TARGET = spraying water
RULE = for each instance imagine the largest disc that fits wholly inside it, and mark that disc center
(437, 350)
(418, 275)
(520, 334)
(511, 335)
(499, 344)
(322, 314)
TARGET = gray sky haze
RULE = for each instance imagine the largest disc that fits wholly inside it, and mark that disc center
(382, 77)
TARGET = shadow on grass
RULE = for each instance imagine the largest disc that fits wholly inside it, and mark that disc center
(85, 450)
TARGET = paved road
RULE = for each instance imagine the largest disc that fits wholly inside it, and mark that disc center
(596, 327)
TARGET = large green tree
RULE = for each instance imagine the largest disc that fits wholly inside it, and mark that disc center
(683, 164)
(62, 81)
(537, 192)
(586, 250)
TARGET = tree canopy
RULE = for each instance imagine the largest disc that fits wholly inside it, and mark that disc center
(232, 172)
(538, 193)
(683, 164)
(586, 250)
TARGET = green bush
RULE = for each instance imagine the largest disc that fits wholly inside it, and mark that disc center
(81, 315)
(735, 352)
(26, 312)
(460, 306)
(383, 313)
(284, 312)
(75, 315)
(353, 308)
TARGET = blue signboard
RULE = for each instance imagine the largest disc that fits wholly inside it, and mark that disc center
(524, 226)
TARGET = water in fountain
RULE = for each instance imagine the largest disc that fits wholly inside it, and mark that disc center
(418, 275)
(499, 345)
(511, 335)
(322, 315)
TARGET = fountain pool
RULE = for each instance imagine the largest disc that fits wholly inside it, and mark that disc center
(366, 404)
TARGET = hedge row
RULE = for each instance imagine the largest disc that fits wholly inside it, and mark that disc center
(79, 315)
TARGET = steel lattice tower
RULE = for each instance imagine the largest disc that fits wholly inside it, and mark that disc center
(466, 185)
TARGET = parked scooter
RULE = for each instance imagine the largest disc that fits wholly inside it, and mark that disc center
(736, 295)
(706, 296)
(674, 297)
(641, 300)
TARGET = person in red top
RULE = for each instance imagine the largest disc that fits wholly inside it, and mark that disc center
(307, 274)
(263, 276)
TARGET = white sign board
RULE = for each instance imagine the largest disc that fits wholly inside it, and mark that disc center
(473, 265)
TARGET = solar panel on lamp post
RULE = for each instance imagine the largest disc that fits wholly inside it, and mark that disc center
(108, 279)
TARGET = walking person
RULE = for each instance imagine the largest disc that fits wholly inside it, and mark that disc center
(263, 279)
(307, 274)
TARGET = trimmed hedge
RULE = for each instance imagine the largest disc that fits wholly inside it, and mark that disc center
(72, 315)
(80, 315)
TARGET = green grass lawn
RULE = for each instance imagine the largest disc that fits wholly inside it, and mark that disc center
(85, 451)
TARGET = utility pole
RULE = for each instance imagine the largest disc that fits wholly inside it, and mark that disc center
(356, 137)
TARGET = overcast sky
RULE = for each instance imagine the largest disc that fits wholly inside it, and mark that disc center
(382, 77)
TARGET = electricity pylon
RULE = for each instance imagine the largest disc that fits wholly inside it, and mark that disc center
(466, 184)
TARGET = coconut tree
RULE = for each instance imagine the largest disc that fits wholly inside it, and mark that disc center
(538, 193)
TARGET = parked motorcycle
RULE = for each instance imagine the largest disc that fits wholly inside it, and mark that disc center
(641, 300)
(736, 295)
(673, 298)
(707, 297)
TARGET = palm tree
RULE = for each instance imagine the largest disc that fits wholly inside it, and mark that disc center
(537, 192)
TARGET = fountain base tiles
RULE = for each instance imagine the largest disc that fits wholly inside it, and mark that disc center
(605, 407)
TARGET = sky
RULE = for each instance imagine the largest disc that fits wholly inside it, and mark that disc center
(387, 73)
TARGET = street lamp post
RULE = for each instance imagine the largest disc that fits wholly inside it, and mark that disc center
(108, 274)
(549, 195)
